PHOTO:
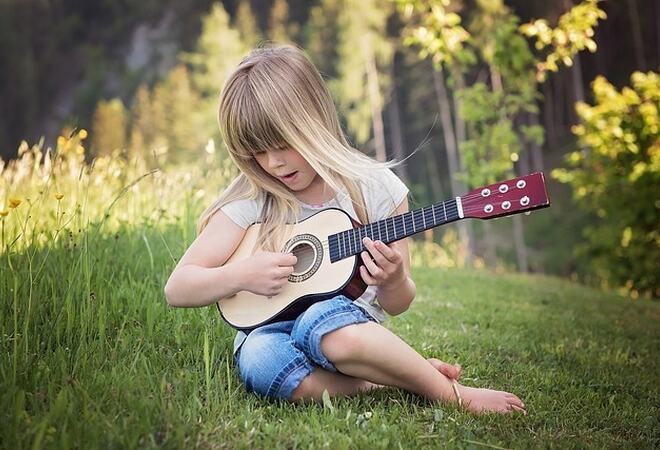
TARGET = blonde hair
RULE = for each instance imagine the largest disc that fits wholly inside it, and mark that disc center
(276, 98)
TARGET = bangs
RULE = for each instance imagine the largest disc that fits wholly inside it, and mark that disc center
(253, 130)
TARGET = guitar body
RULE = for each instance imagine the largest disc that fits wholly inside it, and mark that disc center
(314, 278)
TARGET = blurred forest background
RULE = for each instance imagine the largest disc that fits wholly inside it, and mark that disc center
(489, 89)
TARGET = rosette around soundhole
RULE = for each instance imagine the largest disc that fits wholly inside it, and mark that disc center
(309, 253)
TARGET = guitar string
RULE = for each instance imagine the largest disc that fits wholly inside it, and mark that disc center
(451, 208)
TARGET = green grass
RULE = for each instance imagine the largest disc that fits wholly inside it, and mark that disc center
(92, 357)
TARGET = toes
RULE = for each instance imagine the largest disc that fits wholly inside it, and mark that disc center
(513, 399)
(449, 370)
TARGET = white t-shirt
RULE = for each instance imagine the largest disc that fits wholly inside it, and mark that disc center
(383, 193)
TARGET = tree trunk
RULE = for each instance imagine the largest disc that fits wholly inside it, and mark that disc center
(461, 136)
(638, 41)
(519, 240)
(394, 120)
(537, 150)
(559, 94)
(549, 116)
(452, 155)
(491, 245)
(578, 89)
(432, 174)
(376, 103)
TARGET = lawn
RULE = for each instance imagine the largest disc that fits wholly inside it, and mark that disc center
(92, 357)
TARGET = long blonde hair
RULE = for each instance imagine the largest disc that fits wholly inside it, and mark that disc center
(276, 98)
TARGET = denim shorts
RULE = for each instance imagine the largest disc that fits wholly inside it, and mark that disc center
(276, 357)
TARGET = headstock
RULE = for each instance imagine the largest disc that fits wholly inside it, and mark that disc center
(506, 197)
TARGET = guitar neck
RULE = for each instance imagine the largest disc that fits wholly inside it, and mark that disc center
(349, 242)
(503, 198)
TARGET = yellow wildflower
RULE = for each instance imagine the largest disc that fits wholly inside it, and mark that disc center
(14, 202)
(82, 134)
(4, 212)
(59, 196)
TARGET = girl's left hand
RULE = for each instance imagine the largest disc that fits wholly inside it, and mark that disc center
(386, 268)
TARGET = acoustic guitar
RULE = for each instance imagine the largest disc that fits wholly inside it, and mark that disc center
(328, 246)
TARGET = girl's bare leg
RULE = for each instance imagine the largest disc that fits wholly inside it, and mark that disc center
(371, 352)
(312, 386)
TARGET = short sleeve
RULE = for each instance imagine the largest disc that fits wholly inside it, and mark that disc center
(243, 212)
(384, 193)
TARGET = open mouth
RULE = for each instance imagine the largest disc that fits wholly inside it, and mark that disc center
(290, 176)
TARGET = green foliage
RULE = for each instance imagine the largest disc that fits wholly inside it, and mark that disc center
(437, 32)
(489, 154)
(176, 120)
(321, 36)
(219, 49)
(573, 33)
(109, 127)
(363, 47)
(279, 29)
(616, 175)
(246, 24)
(182, 122)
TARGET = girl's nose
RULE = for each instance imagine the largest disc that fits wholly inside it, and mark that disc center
(274, 160)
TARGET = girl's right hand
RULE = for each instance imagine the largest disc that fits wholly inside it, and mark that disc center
(266, 273)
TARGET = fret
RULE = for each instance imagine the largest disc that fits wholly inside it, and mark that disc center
(415, 219)
(387, 233)
(444, 210)
(424, 218)
(401, 227)
(452, 210)
(433, 209)
(403, 219)
(380, 236)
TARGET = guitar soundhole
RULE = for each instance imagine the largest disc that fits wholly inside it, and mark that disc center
(309, 251)
(306, 256)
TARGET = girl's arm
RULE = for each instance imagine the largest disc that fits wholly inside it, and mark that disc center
(200, 278)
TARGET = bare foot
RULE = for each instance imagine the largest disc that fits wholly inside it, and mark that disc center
(451, 371)
(486, 400)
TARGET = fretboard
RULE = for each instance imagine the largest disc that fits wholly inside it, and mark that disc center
(348, 243)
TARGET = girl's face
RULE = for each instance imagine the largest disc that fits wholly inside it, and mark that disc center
(289, 167)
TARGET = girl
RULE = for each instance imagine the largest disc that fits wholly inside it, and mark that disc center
(281, 128)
